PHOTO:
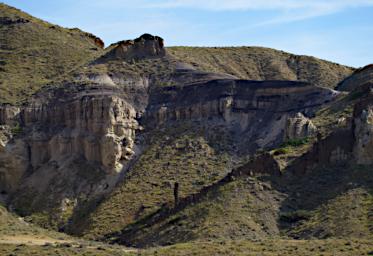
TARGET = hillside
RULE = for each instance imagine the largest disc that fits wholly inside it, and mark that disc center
(34, 53)
(20, 238)
(17, 237)
(359, 77)
(262, 207)
(178, 150)
(258, 63)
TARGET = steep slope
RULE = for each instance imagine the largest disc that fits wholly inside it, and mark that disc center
(258, 63)
(359, 77)
(266, 207)
(181, 154)
(321, 194)
(34, 53)
(11, 225)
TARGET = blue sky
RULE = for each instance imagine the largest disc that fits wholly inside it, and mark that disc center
(336, 30)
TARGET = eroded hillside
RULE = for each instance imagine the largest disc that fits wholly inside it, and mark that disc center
(144, 145)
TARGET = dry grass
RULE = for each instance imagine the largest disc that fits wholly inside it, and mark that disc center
(35, 53)
(258, 63)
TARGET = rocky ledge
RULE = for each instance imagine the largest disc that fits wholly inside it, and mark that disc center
(146, 46)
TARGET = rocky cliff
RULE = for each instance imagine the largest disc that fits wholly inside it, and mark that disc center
(64, 146)
(363, 125)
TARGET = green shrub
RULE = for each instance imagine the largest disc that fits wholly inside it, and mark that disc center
(296, 142)
(17, 129)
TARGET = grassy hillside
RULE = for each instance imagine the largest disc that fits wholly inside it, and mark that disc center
(359, 77)
(11, 225)
(242, 209)
(330, 202)
(258, 63)
(334, 202)
(34, 53)
(274, 247)
(18, 237)
(341, 247)
(180, 154)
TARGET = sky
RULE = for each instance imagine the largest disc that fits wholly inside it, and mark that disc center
(337, 30)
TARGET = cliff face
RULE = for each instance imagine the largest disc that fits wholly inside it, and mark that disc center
(363, 133)
(14, 161)
(100, 126)
(97, 128)
(69, 149)
(256, 112)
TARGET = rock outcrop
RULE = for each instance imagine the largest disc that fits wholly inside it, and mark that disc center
(146, 46)
(298, 127)
(8, 114)
(363, 131)
(14, 161)
(256, 111)
(66, 147)
(12, 21)
(98, 129)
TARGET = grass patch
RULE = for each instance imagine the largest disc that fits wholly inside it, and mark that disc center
(16, 129)
(296, 142)
(34, 53)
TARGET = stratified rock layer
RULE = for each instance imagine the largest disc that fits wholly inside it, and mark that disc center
(256, 111)
(363, 130)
